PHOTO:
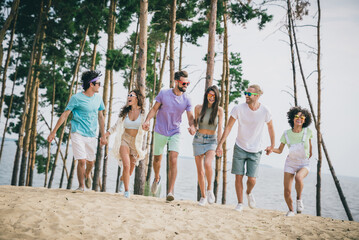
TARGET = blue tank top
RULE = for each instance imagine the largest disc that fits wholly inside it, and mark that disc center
(132, 124)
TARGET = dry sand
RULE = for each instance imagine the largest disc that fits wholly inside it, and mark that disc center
(39, 213)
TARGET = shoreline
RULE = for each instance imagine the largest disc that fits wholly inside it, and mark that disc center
(41, 213)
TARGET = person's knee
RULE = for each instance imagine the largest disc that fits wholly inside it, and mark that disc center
(299, 179)
(251, 180)
(287, 192)
(157, 159)
(81, 163)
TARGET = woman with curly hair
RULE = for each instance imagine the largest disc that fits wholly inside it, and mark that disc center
(298, 139)
(129, 143)
(209, 121)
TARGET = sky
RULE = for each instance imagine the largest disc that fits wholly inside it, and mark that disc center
(266, 61)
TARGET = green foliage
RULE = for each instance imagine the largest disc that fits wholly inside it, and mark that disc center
(117, 60)
(237, 84)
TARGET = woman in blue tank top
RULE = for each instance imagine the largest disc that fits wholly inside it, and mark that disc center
(129, 147)
(208, 121)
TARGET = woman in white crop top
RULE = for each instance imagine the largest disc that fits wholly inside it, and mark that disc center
(208, 121)
(129, 146)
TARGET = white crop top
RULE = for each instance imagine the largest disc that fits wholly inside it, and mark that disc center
(132, 124)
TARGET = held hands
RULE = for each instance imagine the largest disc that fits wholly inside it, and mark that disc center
(146, 126)
(219, 151)
(51, 137)
(103, 140)
(269, 150)
(192, 130)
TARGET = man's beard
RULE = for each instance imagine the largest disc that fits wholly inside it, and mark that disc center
(182, 89)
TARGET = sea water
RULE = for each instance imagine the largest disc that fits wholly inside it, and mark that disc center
(268, 191)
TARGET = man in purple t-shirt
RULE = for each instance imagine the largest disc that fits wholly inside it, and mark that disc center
(170, 105)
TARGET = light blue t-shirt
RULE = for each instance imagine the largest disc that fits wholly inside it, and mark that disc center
(85, 113)
(169, 115)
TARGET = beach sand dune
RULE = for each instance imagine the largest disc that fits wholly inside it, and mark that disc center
(40, 213)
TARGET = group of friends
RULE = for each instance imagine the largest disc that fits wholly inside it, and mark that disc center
(206, 125)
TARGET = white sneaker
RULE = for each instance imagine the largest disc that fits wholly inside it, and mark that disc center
(155, 184)
(126, 194)
(251, 200)
(170, 197)
(210, 197)
(300, 206)
(239, 207)
(121, 188)
(290, 214)
(202, 201)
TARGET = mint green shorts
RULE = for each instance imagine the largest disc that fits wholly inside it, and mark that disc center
(160, 141)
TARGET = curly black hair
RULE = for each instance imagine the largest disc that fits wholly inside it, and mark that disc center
(88, 76)
(141, 100)
(294, 111)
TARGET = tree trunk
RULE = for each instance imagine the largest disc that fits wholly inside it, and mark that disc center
(337, 184)
(7, 61)
(110, 44)
(51, 123)
(68, 99)
(290, 35)
(94, 53)
(33, 143)
(180, 57)
(14, 8)
(140, 175)
(8, 113)
(150, 136)
(33, 91)
(172, 43)
(211, 42)
(319, 140)
(71, 176)
(226, 103)
(132, 75)
(163, 63)
(64, 169)
(26, 104)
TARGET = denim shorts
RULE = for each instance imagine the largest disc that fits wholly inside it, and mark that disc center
(203, 143)
(241, 157)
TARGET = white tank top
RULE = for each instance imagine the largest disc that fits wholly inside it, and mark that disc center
(132, 124)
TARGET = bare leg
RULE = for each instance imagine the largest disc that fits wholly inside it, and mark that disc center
(200, 174)
(251, 182)
(89, 166)
(133, 164)
(239, 188)
(288, 180)
(125, 156)
(208, 166)
(81, 172)
(172, 174)
(157, 166)
(299, 177)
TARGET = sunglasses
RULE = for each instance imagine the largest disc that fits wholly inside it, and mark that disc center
(183, 83)
(250, 94)
(95, 83)
(301, 117)
(211, 95)
(131, 95)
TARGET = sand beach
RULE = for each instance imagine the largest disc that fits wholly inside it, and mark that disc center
(40, 213)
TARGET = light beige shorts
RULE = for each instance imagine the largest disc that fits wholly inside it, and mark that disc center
(129, 141)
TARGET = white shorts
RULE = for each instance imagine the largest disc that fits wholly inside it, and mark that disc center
(83, 147)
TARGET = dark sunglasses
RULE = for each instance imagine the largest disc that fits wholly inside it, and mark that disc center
(95, 83)
(183, 83)
(250, 94)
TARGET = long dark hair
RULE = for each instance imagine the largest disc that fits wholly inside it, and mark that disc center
(140, 100)
(214, 113)
(294, 111)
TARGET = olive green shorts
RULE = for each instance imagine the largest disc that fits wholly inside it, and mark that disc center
(242, 158)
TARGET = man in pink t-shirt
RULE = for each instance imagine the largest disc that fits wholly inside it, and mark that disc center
(170, 105)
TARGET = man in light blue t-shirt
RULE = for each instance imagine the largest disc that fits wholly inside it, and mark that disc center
(86, 107)
(170, 105)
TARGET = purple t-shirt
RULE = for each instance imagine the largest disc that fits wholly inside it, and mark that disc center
(169, 115)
